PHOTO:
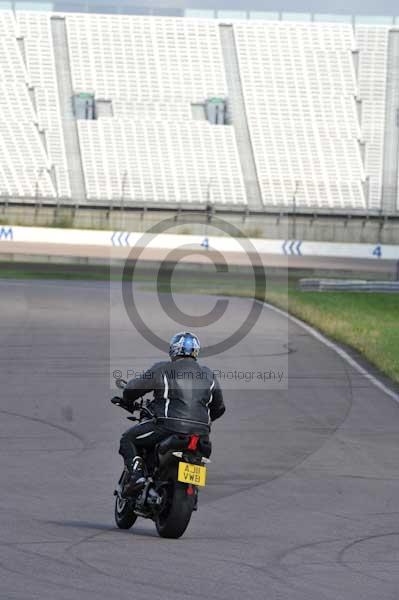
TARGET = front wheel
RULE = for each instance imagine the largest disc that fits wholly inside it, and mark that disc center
(174, 518)
(125, 517)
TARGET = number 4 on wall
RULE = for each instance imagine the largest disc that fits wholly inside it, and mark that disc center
(377, 252)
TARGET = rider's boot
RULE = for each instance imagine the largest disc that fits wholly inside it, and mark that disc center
(137, 477)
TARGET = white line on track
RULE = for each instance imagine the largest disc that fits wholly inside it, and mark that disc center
(337, 349)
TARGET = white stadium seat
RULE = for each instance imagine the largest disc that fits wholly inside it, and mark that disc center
(24, 170)
(36, 30)
(146, 58)
(308, 110)
(30, 123)
(299, 87)
(15, 104)
(8, 26)
(160, 161)
(151, 111)
(12, 67)
(151, 148)
(24, 165)
(373, 52)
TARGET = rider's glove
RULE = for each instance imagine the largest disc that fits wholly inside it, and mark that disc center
(116, 400)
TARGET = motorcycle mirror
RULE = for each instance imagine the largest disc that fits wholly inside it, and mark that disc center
(121, 384)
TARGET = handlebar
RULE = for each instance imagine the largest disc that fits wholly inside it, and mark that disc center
(140, 405)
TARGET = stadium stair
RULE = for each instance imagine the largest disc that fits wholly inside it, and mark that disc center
(64, 79)
(391, 145)
(238, 116)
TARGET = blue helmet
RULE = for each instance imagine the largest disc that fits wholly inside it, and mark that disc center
(184, 344)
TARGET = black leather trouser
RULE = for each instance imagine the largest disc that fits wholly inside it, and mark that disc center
(144, 435)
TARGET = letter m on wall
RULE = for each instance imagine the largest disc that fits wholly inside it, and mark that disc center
(6, 233)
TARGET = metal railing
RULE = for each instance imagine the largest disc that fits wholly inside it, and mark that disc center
(344, 285)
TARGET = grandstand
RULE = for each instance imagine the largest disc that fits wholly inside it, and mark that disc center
(159, 112)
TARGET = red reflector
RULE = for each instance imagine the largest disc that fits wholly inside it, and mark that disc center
(194, 439)
(190, 491)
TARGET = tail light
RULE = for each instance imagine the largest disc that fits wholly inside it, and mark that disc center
(193, 443)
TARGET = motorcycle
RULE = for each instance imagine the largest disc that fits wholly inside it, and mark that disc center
(174, 471)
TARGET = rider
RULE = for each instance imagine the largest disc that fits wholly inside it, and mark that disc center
(187, 398)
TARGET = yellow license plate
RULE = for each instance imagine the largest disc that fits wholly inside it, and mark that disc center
(193, 474)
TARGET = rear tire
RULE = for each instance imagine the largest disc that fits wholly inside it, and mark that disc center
(125, 518)
(173, 520)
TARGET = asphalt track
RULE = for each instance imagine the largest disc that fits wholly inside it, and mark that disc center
(303, 495)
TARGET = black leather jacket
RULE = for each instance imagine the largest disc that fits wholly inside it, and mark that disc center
(187, 396)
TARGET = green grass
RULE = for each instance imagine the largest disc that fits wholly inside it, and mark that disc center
(368, 323)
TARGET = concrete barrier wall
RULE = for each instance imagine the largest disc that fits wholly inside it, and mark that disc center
(325, 228)
(124, 239)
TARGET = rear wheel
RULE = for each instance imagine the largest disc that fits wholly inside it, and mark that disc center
(125, 518)
(175, 516)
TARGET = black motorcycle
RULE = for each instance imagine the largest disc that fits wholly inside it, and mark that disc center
(174, 471)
